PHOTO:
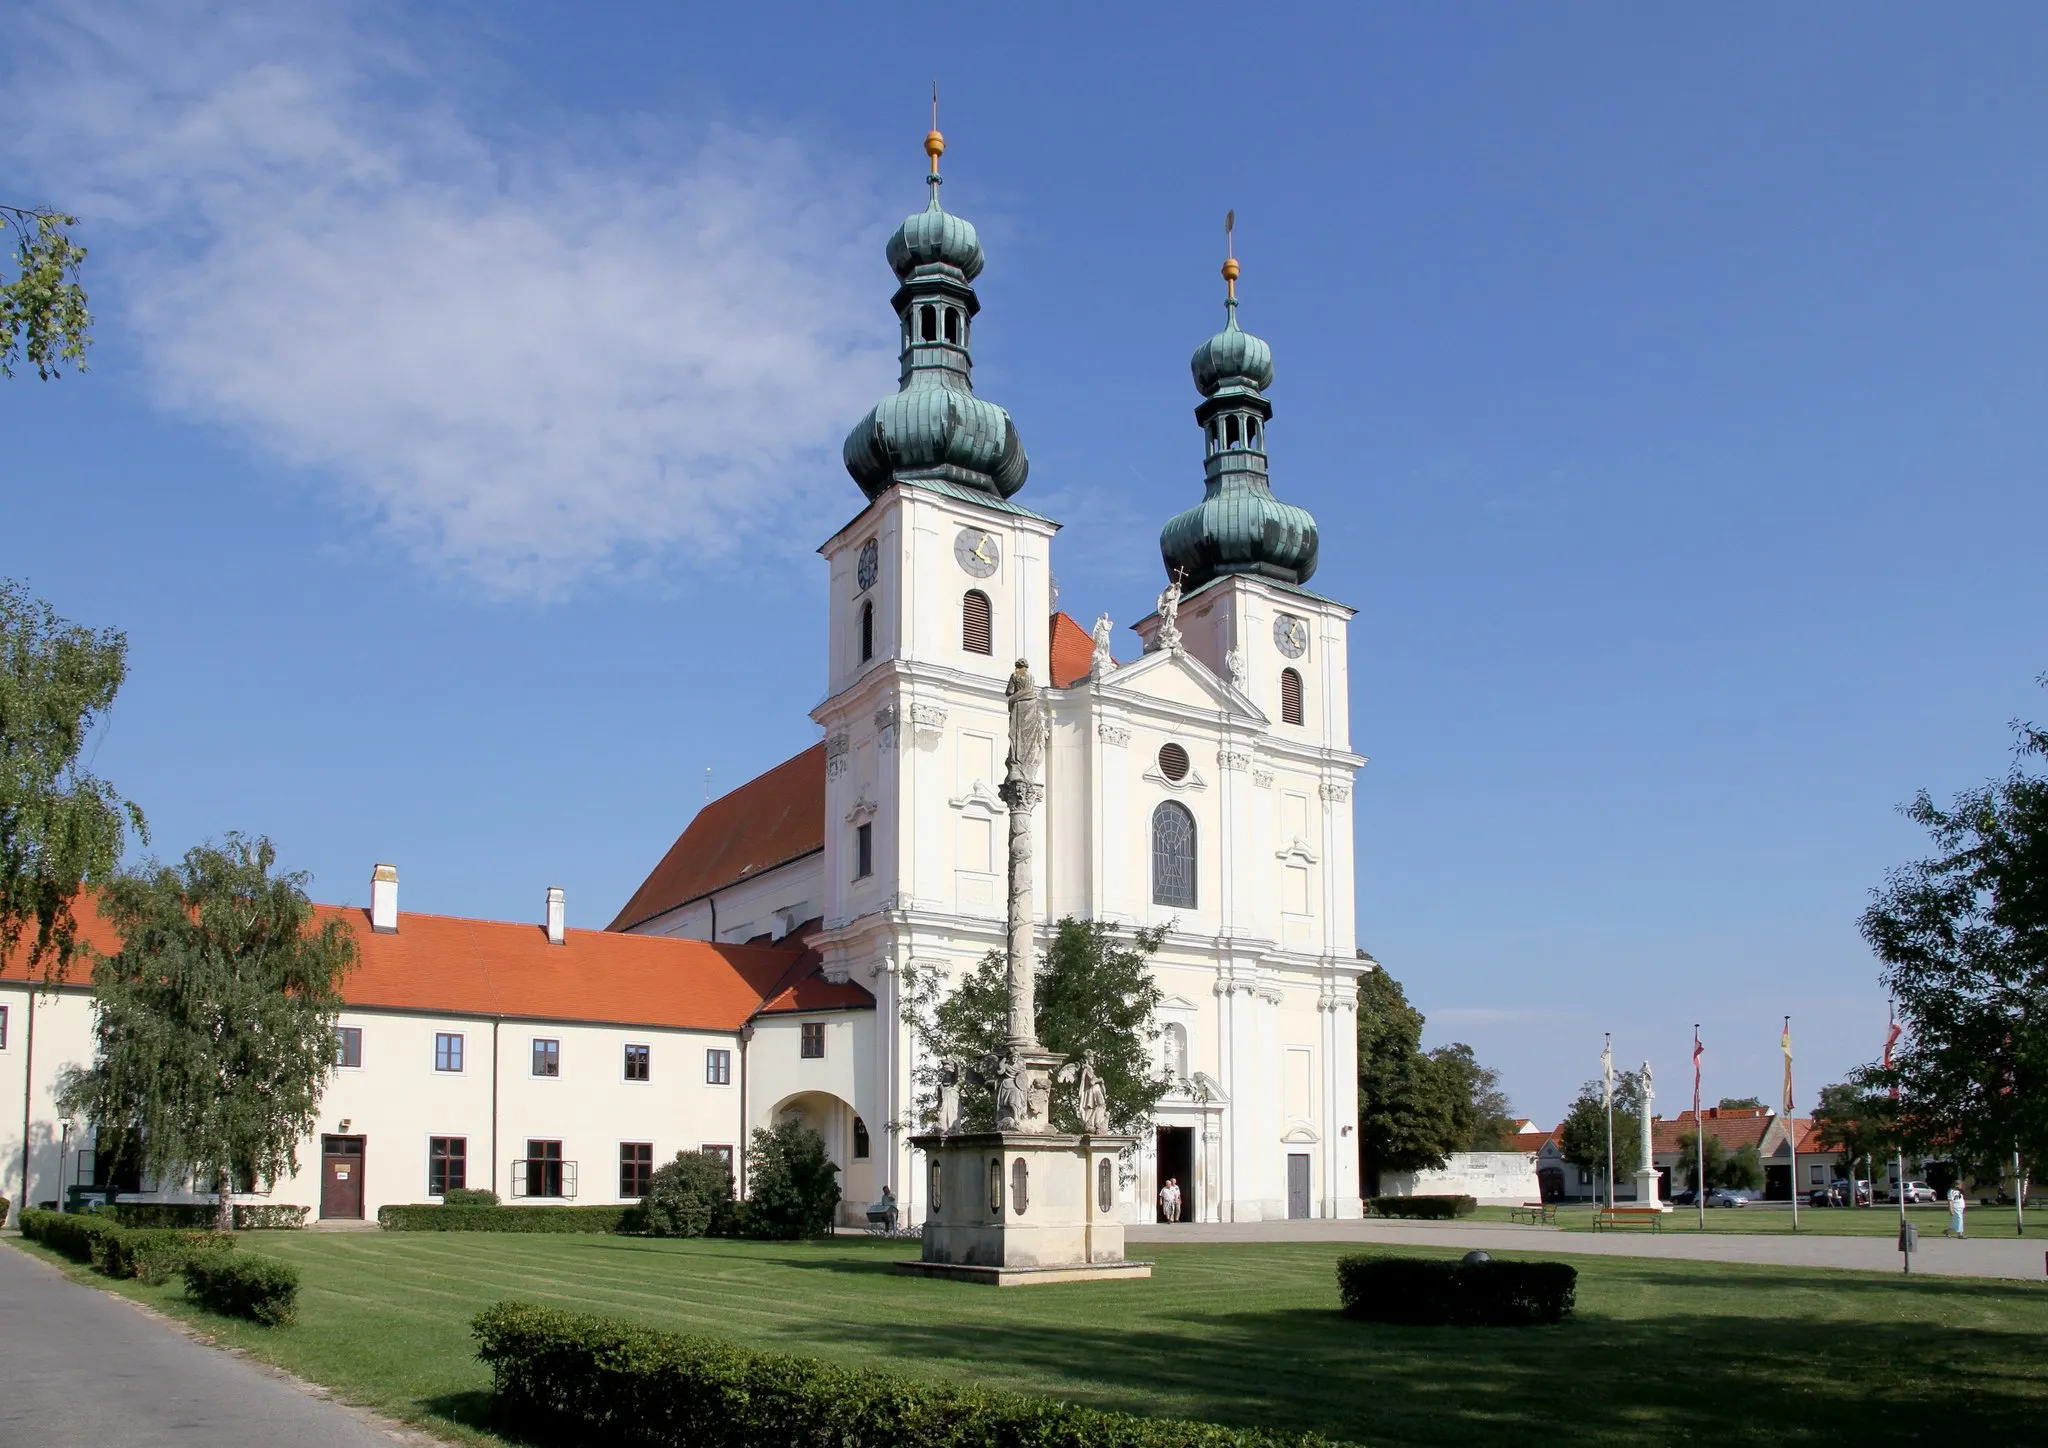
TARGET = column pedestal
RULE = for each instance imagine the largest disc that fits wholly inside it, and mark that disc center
(1012, 1208)
(1647, 1183)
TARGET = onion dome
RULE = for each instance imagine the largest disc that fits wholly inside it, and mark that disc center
(934, 426)
(1239, 526)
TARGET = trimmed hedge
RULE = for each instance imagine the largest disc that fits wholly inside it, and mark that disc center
(566, 1378)
(1421, 1291)
(78, 1235)
(157, 1254)
(261, 1289)
(152, 1254)
(1434, 1209)
(469, 1197)
(427, 1217)
(199, 1216)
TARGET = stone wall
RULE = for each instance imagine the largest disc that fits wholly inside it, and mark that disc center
(1494, 1177)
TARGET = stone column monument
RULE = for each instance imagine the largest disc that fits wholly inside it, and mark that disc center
(1646, 1172)
(1024, 1203)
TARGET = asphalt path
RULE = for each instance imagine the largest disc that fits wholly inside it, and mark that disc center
(1984, 1254)
(87, 1369)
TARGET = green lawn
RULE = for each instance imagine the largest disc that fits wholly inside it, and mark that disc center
(1881, 1221)
(1659, 1352)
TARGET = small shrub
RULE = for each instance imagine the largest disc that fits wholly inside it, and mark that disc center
(793, 1189)
(687, 1197)
(261, 1289)
(1422, 1291)
(566, 1378)
(270, 1217)
(1433, 1209)
(426, 1217)
(469, 1197)
(156, 1254)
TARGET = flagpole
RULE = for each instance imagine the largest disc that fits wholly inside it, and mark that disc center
(1891, 1035)
(1791, 1124)
(1607, 1075)
(1699, 1134)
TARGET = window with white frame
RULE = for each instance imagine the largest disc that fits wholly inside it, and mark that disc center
(348, 1046)
(638, 1062)
(547, 1056)
(447, 1050)
(718, 1068)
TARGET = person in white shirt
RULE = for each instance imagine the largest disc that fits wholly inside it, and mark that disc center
(1957, 1205)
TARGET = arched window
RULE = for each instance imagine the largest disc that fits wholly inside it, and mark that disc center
(952, 325)
(977, 634)
(1251, 433)
(861, 1148)
(928, 323)
(867, 632)
(1175, 1039)
(1231, 436)
(1213, 444)
(1173, 855)
(1290, 697)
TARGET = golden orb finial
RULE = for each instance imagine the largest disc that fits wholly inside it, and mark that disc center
(934, 147)
(1230, 266)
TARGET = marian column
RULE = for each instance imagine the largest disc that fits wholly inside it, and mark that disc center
(1021, 791)
(1647, 1181)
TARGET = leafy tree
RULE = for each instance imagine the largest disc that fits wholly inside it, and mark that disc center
(1744, 1169)
(1485, 1119)
(213, 1027)
(1583, 1140)
(687, 1197)
(1963, 936)
(1411, 1114)
(1095, 996)
(62, 829)
(792, 1186)
(1740, 1103)
(43, 316)
(1857, 1122)
(1690, 1154)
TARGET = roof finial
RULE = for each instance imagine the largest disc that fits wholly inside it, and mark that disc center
(934, 145)
(1230, 266)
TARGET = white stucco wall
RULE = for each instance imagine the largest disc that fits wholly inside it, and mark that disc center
(1496, 1178)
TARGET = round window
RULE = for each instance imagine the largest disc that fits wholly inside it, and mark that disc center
(1173, 762)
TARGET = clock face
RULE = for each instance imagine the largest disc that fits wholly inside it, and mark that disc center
(978, 552)
(870, 564)
(1290, 635)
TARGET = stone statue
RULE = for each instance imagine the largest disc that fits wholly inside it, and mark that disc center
(1102, 662)
(1037, 1099)
(1094, 1101)
(1027, 728)
(1013, 1098)
(952, 1076)
(1168, 637)
(1234, 662)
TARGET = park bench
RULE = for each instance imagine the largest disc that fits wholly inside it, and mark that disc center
(1628, 1217)
(1534, 1213)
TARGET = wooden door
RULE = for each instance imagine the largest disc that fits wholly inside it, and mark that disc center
(1297, 1184)
(341, 1177)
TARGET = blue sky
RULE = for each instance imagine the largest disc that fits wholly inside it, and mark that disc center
(469, 385)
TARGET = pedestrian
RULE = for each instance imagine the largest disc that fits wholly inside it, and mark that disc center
(1165, 1196)
(1173, 1203)
(1957, 1205)
(888, 1205)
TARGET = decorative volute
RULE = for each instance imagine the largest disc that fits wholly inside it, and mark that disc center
(934, 426)
(1239, 526)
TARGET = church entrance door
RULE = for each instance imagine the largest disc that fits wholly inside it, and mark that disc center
(1297, 1184)
(1176, 1156)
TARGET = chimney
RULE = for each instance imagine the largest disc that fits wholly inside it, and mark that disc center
(384, 900)
(557, 910)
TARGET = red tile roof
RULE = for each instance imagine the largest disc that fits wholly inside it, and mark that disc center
(1532, 1140)
(1732, 1128)
(1073, 652)
(768, 821)
(441, 963)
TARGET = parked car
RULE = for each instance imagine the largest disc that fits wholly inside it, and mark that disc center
(1685, 1196)
(1914, 1192)
(1723, 1197)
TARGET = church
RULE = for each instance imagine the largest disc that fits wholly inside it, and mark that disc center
(758, 972)
(1204, 785)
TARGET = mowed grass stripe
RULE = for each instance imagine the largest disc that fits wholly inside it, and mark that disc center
(1660, 1351)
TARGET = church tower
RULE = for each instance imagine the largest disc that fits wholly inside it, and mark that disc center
(937, 588)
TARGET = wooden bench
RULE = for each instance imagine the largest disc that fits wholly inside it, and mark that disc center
(1628, 1217)
(1534, 1213)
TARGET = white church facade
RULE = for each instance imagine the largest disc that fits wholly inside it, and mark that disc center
(1203, 786)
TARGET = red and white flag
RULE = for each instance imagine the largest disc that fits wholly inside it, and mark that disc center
(1891, 1038)
(1697, 1051)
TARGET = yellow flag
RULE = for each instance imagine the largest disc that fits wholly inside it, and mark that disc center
(1785, 1043)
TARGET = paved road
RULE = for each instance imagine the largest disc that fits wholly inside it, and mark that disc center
(85, 1369)
(1988, 1255)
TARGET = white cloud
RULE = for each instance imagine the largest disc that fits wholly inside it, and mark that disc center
(531, 353)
